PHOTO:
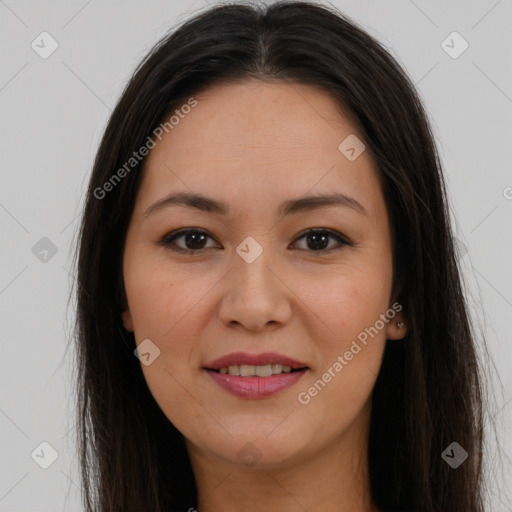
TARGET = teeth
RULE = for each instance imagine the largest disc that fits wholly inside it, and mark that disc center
(249, 370)
(276, 368)
(234, 370)
(263, 371)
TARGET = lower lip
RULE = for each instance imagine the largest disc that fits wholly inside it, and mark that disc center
(255, 387)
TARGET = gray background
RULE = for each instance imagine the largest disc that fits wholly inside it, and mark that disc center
(52, 114)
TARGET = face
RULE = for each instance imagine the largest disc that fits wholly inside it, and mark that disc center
(252, 279)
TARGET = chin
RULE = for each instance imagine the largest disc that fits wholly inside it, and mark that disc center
(263, 448)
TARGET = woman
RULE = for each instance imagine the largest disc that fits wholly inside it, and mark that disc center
(270, 313)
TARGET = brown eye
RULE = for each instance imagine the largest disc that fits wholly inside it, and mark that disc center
(317, 240)
(193, 239)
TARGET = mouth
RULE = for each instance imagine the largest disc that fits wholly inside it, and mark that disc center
(254, 387)
(255, 376)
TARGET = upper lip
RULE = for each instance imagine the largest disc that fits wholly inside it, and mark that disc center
(239, 358)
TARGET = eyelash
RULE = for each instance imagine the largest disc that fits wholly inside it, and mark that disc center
(169, 240)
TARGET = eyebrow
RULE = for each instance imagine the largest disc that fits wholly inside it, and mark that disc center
(292, 206)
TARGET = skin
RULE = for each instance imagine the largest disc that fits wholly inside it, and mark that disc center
(254, 145)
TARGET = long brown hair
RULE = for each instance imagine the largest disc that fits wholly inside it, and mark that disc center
(429, 390)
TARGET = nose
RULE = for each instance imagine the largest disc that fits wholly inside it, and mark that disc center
(255, 294)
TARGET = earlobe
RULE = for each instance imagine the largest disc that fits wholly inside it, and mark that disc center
(127, 320)
(397, 328)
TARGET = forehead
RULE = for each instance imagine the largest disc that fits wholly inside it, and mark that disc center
(263, 118)
(270, 138)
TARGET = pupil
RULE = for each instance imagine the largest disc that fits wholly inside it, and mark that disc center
(192, 238)
(318, 239)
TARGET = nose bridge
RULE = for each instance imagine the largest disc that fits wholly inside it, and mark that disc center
(255, 258)
(254, 296)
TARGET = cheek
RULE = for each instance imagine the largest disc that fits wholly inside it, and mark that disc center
(168, 306)
(164, 309)
(350, 308)
(347, 302)
(349, 354)
(160, 301)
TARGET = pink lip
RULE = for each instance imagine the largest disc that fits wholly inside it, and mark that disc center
(253, 359)
(255, 387)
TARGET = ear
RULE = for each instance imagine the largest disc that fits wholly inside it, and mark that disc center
(127, 320)
(393, 331)
(123, 304)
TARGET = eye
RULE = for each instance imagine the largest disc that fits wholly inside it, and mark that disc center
(194, 240)
(319, 239)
